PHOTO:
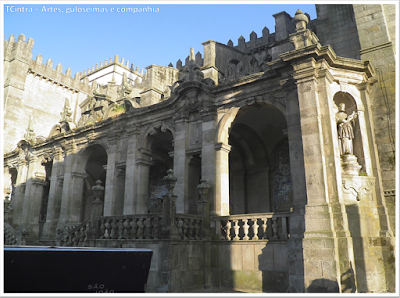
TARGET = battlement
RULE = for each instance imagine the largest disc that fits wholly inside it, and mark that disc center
(112, 70)
(22, 51)
(18, 49)
(283, 27)
(48, 73)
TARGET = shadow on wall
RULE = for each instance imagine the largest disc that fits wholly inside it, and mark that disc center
(323, 285)
(348, 281)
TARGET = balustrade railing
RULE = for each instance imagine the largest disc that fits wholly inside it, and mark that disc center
(140, 226)
(260, 226)
(75, 235)
(190, 226)
(11, 236)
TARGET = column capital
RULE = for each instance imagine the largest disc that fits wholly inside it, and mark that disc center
(145, 162)
(79, 175)
(132, 130)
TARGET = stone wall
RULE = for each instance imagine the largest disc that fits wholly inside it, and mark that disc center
(243, 266)
(32, 89)
(377, 45)
(335, 25)
(367, 32)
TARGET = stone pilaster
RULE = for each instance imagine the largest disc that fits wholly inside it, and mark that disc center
(35, 203)
(33, 199)
(19, 193)
(67, 186)
(111, 174)
(181, 165)
(320, 252)
(131, 174)
(75, 202)
(54, 202)
(32, 160)
(143, 165)
(208, 164)
(221, 203)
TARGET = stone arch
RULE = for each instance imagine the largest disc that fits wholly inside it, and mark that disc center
(83, 154)
(150, 130)
(252, 131)
(224, 124)
(90, 166)
(155, 145)
(10, 178)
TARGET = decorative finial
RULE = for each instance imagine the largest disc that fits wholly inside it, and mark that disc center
(300, 20)
(98, 190)
(66, 113)
(170, 180)
(30, 136)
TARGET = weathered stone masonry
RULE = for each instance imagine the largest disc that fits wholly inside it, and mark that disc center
(267, 166)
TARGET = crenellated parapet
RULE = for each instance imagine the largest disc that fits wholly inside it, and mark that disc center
(56, 76)
(18, 49)
(113, 70)
(35, 92)
(21, 50)
(227, 63)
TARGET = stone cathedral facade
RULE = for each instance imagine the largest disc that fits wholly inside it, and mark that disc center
(265, 166)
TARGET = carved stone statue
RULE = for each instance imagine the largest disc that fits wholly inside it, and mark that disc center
(345, 129)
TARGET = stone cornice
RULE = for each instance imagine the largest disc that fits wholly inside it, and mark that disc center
(376, 48)
(319, 52)
(223, 147)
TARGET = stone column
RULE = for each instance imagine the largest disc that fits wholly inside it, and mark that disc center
(67, 186)
(29, 188)
(19, 193)
(204, 207)
(97, 210)
(169, 228)
(35, 203)
(75, 206)
(318, 234)
(208, 165)
(295, 245)
(53, 207)
(131, 173)
(181, 165)
(222, 179)
(109, 196)
(143, 166)
(7, 208)
(326, 243)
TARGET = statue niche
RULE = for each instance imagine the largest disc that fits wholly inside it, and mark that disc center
(346, 116)
(345, 124)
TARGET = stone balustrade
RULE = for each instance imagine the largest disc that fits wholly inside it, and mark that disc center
(76, 235)
(13, 237)
(10, 235)
(190, 227)
(140, 226)
(260, 226)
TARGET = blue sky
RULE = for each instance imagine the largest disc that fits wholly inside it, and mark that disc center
(164, 34)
